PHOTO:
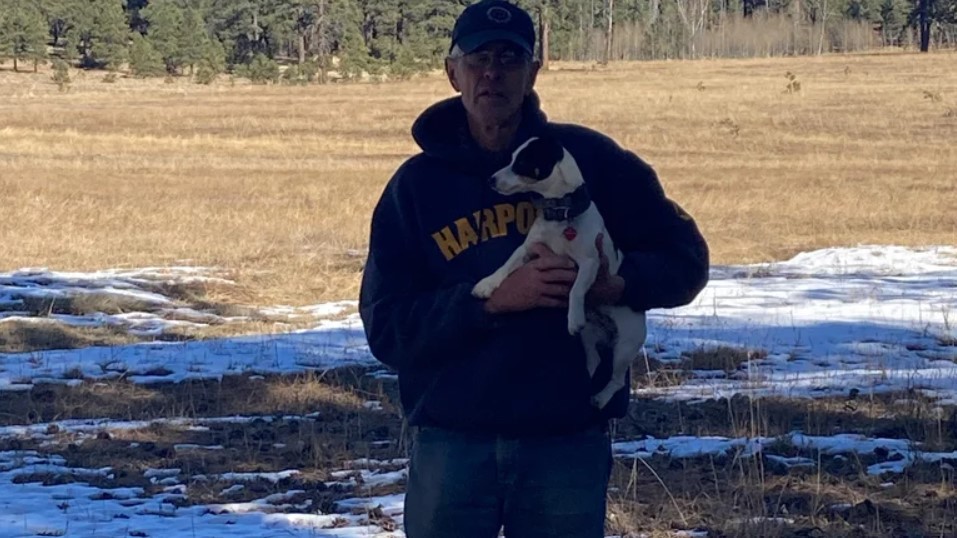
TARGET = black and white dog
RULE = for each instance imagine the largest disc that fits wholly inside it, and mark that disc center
(569, 223)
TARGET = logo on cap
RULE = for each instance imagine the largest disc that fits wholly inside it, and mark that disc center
(498, 14)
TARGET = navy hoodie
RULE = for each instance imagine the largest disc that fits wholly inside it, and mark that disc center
(439, 228)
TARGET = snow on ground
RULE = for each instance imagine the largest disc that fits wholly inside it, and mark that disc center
(331, 343)
(875, 319)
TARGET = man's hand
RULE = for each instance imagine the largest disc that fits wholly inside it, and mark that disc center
(607, 288)
(545, 281)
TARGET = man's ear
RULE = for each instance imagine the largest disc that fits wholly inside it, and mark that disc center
(450, 72)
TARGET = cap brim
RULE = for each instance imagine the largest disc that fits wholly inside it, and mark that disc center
(471, 43)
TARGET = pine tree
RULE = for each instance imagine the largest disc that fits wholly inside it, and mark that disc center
(243, 27)
(62, 16)
(61, 75)
(427, 28)
(145, 60)
(893, 15)
(23, 33)
(346, 35)
(111, 33)
(193, 38)
(214, 56)
(6, 43)
(165, 21)
(212, 63)
(863, 10)
(96, 31)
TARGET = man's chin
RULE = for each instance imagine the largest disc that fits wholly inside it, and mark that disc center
(494, 110)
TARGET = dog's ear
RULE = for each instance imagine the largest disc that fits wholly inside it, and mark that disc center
(550, 146)
(538, 158)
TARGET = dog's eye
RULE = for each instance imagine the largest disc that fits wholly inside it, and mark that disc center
(538, 172)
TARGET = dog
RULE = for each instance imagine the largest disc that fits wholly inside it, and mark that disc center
(569, 223)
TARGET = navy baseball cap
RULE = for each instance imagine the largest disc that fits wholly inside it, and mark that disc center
(493, 20)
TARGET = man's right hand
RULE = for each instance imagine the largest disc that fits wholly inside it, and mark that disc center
(545, 281)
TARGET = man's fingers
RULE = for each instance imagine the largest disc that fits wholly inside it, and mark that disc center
(566, 276)
(552, 261)
(556, 290)
(552, 302)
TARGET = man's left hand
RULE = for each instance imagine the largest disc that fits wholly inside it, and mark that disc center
(607, 288)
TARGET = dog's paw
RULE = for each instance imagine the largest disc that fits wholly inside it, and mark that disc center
(484, 288)
(600, 400)
(576, 323)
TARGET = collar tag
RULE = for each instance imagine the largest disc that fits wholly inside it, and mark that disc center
(565, 208)
(570, 233)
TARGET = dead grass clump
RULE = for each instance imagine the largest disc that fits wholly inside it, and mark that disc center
(335, 394)
(894, 416)
(726, 359)
(84, 304)
(18, 336)
(93, 303)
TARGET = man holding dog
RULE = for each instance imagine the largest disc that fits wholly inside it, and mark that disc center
(496, 391)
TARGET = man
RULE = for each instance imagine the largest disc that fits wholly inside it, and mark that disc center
(496, 391)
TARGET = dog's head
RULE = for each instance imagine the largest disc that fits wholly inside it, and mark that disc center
(540, 165)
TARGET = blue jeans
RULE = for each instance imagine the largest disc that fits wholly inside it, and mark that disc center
(467, 485)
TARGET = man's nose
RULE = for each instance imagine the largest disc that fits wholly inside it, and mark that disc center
(493, 71)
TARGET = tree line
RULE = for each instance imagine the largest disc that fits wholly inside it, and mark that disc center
(317, 40)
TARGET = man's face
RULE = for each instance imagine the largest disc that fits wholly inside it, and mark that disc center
(493, 80)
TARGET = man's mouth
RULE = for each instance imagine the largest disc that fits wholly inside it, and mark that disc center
(491, 94)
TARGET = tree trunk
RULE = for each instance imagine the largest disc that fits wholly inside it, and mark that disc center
(320, 41)
(796, 19)
(543, 32)
(14, 64)
(302, 48)
(580, 53)
(820, 43)
(925, 25)
(609, 32)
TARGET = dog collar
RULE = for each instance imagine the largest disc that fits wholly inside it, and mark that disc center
(565, 208)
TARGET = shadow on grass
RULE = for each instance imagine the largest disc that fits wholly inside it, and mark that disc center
(314, 424)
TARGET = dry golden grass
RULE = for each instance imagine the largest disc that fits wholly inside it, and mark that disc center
(277, 183)
(19, 336)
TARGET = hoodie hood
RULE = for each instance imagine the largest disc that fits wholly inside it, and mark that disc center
(442, 132)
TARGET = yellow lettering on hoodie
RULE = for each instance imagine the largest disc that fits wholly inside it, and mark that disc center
(504, 213)
(524, 216)
(483, 225)
(447, 243)
(485, 221)
(467, 235)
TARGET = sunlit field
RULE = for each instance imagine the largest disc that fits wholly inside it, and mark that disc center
(275, 184)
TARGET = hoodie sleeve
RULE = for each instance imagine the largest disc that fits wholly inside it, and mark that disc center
(666, 258)
(410, 320)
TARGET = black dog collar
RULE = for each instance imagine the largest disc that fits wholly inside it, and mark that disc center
(565, 208)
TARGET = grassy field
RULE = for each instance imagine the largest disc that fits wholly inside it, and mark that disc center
(275, 182)
(274, 186)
